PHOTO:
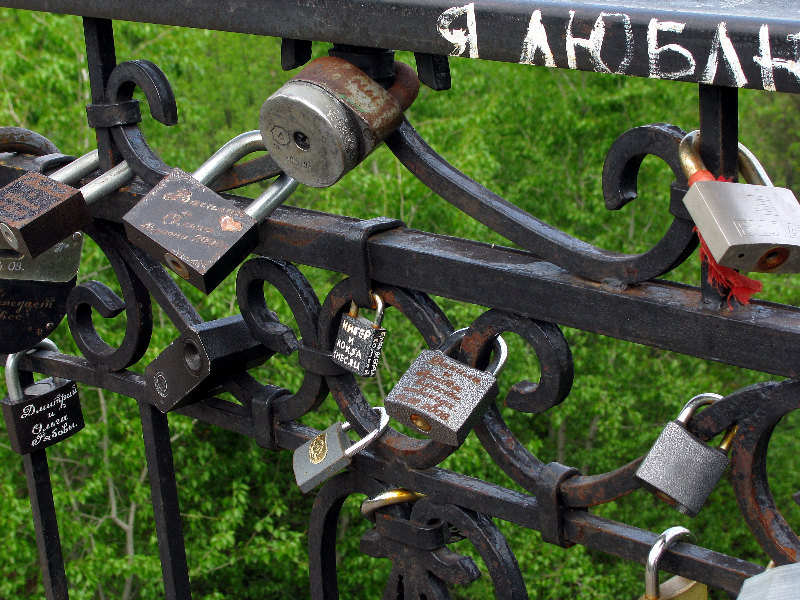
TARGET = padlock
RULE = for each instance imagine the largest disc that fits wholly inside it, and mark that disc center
(359, 340)
(680, 468)
(746, 227)
(441, 397)
(193, 230)
(331, 451)
(43, 414)
(675, 588)
(37, 211)
(776, 583)
(330, 116)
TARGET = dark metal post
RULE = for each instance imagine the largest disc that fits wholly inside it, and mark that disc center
(102, 58)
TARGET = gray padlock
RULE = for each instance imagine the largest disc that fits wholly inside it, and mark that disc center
(37, 212)
(321, 458)
(441, 397)
(680, 468)
(675, 588)
(776, 583)
(746, 227)
(359, 340)
(193, 230)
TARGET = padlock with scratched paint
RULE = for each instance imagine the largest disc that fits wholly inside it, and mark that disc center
(42, 414)
(330, 116)
(38, 211)
(680, 468)
(749, 227)
(359, 340)
(193, 230)
(441, 397)
(328, 453)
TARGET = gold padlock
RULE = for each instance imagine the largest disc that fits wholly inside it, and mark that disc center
(675, 588)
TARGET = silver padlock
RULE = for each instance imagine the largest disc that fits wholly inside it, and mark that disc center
(746, 227)
(680, 468)
(359, 340)
(441, 397)
(675, 588)
(776, 583)
(331, 451)
(330, 116)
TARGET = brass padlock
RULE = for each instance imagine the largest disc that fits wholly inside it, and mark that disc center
(330, 116)
(359, 341)
(746, 227)
(675, 588)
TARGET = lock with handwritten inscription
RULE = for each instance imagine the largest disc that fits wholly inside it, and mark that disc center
(194, 231)
(441, 397)
(38, 211)
(359, 340)
(41, 414)
(331, 451)
(750, 227)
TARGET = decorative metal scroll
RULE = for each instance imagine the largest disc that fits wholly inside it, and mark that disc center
(524, 292)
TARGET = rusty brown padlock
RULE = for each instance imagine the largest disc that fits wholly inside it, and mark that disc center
(330, 116)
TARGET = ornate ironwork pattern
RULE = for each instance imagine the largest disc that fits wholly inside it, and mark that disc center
(525, 290)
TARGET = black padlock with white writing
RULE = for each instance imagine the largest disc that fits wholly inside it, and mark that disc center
(441, 397)
(41, 414)
(359, 340)
(331, 451)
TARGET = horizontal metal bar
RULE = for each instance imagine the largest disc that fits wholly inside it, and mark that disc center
(731, 44)
(763, 336)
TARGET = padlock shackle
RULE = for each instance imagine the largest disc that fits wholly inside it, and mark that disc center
(78, 168)
(652, 590)
(228, 155)
(380, 308)
(108, 182)
(499, 356)
(371, 436)
(691, 162)
(692, 405)
(275, 195)
(388, 498)
(15, 392)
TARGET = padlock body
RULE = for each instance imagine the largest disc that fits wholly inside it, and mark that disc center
(681, 469)
(358, 345)
(41, 211)
(776, 583)
(311, 134)
(321, 458)
(48, 413)
(33, 293)
(747, 227)
(192, 230)
(440, 397)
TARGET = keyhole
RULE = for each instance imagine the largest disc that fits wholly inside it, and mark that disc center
(302, 141)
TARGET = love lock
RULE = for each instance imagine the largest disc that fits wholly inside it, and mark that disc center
(38, 211)
(680, 468)
(359, 341)
(193, 230)
(330, 452)
(441, 397)
(330, 116)
(674, 588)
(746, 227)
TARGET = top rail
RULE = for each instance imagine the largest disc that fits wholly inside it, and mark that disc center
(733, 43)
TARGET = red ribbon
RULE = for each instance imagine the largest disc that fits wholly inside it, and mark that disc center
(722, 278)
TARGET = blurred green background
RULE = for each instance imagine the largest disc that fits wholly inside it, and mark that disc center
(536, 136)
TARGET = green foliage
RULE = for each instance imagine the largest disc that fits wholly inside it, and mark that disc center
(536, 136)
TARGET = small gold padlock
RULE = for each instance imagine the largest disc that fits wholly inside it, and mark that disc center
(675, 588)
